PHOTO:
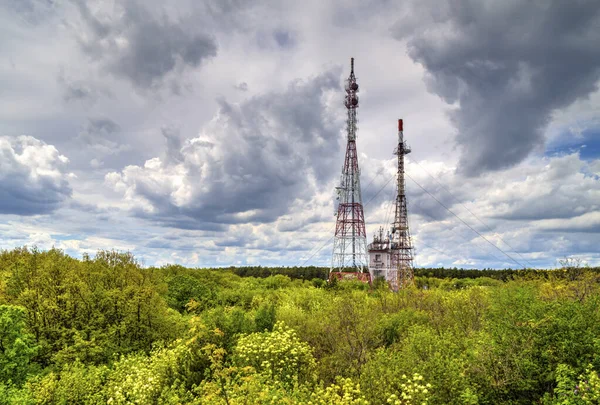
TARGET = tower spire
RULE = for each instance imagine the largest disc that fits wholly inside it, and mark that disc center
(350, 239)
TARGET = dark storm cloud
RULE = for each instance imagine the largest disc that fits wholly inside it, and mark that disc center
(141, 47)
(249, 164)
(509, 65)
(32, 177)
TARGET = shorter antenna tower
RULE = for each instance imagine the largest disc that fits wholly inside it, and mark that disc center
(391, 255)
(402, 258)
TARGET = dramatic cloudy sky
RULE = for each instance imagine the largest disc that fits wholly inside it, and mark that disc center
(211, 132)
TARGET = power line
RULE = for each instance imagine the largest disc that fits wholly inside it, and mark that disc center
(472, 213)
(474, 243)
(372, 198)
(461, 220)
(388, 214)
(366, 188)
(372, 180)
(380, 190)
(313, 255)
(388, 217)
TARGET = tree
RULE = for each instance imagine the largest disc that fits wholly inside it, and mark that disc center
(17, 346)
(183, 288)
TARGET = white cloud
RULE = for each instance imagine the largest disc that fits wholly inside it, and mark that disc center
(248, 164)
(33, 176)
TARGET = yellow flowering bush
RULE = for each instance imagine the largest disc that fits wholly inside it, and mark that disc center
(343, 392)
(279, 354)
(232, 385)
(414, 391)
(141, 379)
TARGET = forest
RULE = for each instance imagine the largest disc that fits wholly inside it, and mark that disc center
(105, 330)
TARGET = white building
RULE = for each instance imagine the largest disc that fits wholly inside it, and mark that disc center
(381, 252)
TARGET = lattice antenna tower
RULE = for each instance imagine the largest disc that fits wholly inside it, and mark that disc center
(402, 248)
(350, 239)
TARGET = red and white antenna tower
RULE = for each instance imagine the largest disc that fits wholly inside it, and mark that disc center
(391, 255)
(350, 241)
(402, 255)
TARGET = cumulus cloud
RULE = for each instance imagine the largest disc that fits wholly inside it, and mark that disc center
(554, 188)
(145, 49)
(588, 222)
(33, 176)
(248, 164)
(507, 66)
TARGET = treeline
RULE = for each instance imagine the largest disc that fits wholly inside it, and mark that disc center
(311, 272)
(302, 273)
(104, 329)
(567, 272)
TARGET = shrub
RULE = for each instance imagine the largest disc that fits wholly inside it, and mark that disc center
(279, 354)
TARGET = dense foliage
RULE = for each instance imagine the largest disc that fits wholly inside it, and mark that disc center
(106, 330)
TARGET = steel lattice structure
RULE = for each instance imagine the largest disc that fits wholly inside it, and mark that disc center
(402, 253)
(391, 256)
(350, 240)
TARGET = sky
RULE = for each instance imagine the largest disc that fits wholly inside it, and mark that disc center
(211, 132)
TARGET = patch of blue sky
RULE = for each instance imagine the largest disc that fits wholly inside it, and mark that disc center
(591, 149)
(587, 143)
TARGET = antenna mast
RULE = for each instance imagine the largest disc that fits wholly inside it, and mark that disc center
(402, 255)
(391, 255)
(350, 240)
